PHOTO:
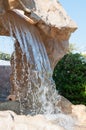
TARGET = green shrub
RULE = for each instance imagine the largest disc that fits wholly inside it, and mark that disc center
(4, 56)
(70, 78)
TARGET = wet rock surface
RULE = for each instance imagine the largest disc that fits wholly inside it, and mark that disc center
(10, 105)
(5, 85)
(63, 104)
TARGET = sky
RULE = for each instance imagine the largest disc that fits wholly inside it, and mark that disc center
(76, 9)
(6, 44)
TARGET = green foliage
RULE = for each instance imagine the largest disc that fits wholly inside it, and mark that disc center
(70, 78)
(4, 56)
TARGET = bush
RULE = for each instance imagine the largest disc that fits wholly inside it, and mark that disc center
(70, 78)
(4, 56)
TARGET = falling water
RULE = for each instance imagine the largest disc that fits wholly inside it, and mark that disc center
(42, 95)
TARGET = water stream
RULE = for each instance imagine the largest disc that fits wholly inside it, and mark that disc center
(40, 95)
(40, 90)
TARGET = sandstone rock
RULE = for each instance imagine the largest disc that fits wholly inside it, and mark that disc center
(79, 111)
(9, 120)
(11, 97)
(54, 24)
(64, 105)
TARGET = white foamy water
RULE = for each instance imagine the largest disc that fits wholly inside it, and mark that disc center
(44, 95)
(65, 121)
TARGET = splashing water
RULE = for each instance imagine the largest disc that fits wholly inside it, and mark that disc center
(41, 95)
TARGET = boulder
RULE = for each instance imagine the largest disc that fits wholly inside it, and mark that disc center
(10, 120)
(65, 105)
(10, 105)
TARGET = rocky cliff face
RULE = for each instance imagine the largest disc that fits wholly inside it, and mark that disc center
(42, 34)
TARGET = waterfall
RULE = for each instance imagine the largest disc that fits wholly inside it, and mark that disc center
(41, 95)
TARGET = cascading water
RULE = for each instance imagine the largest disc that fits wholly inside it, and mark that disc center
(31, 77)
(38, 95)
(41, 95)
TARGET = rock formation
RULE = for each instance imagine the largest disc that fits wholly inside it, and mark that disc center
(5, 86)
(74, 121)
(54, 25)
(42, 34)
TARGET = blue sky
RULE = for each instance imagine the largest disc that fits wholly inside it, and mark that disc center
(6, 44)
(76, 9)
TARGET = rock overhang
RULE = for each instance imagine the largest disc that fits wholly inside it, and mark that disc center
(52, 14)
(52, 22)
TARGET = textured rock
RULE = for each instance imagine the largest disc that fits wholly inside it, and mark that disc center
(3, 31)
(10, 105)
(64, 105)
(54, 25)
(9, 120)
(80, 112)
(5, 85)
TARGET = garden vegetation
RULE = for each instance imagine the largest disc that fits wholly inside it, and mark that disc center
(70, 78)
